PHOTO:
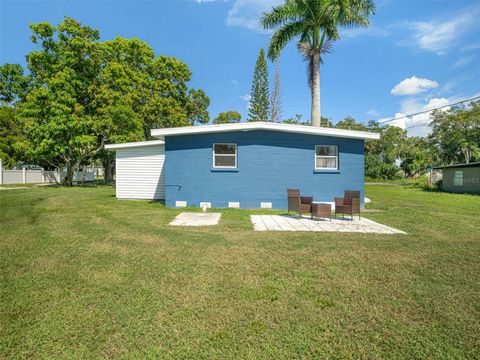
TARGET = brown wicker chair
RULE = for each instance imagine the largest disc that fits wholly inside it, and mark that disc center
(349, 204)
(297, 203)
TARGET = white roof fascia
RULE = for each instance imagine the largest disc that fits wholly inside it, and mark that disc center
(249, 126)
(134, 144)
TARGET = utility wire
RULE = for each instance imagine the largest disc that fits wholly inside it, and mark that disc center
(417, 125)
(421, 124)
(459, 71)
(443, 78)
(427, 111)
(458, 93)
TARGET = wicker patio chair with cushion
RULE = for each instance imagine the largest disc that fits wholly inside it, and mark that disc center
(297, 203)
(349, 204)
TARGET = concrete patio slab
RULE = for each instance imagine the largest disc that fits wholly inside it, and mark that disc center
(196, 219)
(296, 223)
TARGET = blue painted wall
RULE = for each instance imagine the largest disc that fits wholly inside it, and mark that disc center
(269, 162)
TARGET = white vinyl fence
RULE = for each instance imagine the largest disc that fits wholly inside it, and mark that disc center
(41, 176)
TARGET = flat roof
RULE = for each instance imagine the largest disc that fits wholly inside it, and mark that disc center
(472, 164)
(134, 144)
(251, 126)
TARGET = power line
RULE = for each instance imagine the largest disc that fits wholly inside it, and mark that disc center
(427, 111)
(440, 79)
(468, 89)
(426, 123)
(459, 71)
(417, 125)
(458, 93)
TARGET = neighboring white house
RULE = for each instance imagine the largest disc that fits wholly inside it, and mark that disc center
(139, 169)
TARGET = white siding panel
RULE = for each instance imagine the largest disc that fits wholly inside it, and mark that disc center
(140, 173)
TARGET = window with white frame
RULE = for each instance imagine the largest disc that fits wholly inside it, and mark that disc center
(326, 157)
(458, 178)
(224, 156)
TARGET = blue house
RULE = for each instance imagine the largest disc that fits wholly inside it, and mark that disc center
(246, 165)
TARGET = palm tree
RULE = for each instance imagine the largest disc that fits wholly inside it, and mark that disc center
(315, 23)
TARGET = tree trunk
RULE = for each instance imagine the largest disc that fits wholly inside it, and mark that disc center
(466, 155)
(108, 163)
(68, 180)
(315, 88)
(108, 174)
(84, 173)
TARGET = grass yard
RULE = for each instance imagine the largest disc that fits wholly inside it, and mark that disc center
(84, 275)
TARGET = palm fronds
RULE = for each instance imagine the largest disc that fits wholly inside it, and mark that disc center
(313, 19)
(282, 37)
(315, 23)
(279, 15)
(308, 53)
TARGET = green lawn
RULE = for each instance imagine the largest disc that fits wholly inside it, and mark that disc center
(84, 275)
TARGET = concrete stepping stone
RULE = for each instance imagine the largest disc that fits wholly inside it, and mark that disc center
(196, 219)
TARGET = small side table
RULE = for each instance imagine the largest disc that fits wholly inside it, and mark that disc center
(320, 210)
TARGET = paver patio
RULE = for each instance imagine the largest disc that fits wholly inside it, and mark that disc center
(296, 223)
(196, 219)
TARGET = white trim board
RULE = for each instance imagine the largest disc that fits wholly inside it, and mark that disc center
(251, 126)
(134, 144)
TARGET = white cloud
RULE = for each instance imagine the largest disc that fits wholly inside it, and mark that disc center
(246, 13)
(416, 125)
(234, 82)
(412, 86)
(433, 36)
(440, 35)
(401, 122)
(247, 99)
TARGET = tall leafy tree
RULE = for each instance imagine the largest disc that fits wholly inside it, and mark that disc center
(349, 123)
(258, 109)
(456, 133)
(13, 83)
(325, 122)
(276, 96)
(118, 93)
(10, 135)
(169, 102)
(197, 106)
(314, 23)
(57, 124)
(416, 155)
(295, 120)
(394, 150)
(137, 91)
(13, 86)
(228, 117)
(382, 156)
(83, 93)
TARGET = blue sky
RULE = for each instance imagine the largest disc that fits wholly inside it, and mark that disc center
(416, 54)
